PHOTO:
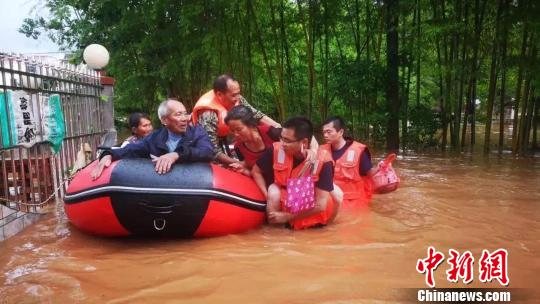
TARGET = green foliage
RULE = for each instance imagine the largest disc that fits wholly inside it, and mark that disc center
(422, 128)
(314, 58)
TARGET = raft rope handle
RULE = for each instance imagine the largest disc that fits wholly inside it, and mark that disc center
(162, 226)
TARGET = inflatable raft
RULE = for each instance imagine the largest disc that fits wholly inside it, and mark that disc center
(192, 200)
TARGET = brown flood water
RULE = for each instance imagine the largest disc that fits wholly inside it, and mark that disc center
(463, 203)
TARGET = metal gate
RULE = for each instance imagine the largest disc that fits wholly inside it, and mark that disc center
(31, 178)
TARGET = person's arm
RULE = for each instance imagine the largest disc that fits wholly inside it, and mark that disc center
(314, 145)
(133, 150)
(274, 133)
(366, 167)
(104, 162)
(269, 121)
(209, 121)
(311, 153)
(164, 163)
(282, 217)
(240, 167)
(196, 149)
(259, 115)
(225, 159)
(239, 153)
(140, 149)
(257, 175)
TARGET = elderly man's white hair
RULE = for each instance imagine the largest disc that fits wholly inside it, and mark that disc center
(163, 109)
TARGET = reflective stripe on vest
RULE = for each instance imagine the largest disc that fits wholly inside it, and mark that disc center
(347, 173)
(283, 165)
(209, 102)
(348, 165)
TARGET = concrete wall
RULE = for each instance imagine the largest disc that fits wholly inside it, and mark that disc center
(13, 221)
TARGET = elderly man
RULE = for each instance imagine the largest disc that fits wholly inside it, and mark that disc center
(287, 159)
(212, 108)
(177, 142)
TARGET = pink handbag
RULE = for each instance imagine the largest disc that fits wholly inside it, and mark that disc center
(301, 191)
(386, 179)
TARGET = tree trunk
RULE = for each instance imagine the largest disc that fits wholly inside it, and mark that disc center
(279, 60)
(503, 77)
(407, 83)
(326, 100)
(440, 69)
(249, 53)
(447, 99)
(517, 101)
(492, 81)
(284, 40)
(307, 28)
(457, 115)
(471, 102)
(355, 25)
(392, 87)
(535, 123)
(418, 52)
(523, 121)
(528, 121)
(378, 45)
(530, 103)
(279, 104)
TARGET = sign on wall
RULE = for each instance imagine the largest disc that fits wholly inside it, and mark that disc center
(26, 120)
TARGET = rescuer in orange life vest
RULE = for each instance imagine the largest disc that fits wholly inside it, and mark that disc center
(286, 159)
(353, 168)
(212, 108)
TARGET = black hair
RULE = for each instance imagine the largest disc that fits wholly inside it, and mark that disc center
(135, 119)
(303, 128)
(244, 114)
(220, 83)
(337, 122)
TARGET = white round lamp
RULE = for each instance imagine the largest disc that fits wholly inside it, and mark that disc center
(96, 56)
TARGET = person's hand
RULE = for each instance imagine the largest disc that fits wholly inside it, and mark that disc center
(311, 155)
(102, 164)
(237, 166)
(278, 217)
(165, 162)
(240, 167)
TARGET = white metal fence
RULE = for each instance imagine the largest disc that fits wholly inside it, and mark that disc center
(30, 177)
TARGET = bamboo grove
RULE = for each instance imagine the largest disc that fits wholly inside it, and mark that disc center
(416, 74)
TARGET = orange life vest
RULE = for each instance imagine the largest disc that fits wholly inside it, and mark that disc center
(356, 188)
(209, 102)
(283, 170)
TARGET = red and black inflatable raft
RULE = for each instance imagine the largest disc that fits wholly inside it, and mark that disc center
(192, 200)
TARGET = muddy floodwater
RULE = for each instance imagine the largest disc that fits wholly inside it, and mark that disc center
(368, 256)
